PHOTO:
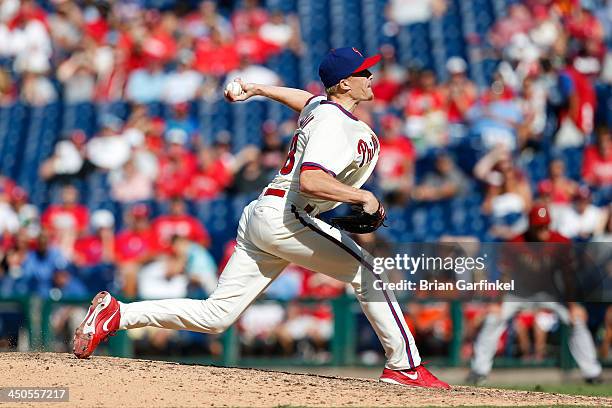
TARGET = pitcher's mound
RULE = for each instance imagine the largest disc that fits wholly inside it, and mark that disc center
(125, 383)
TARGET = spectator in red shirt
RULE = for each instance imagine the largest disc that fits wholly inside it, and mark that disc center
(69, 215)
(460, 92)
(597, 163)
(94, 254)
(136, 243)
(561, 188)
(320, 286)
(577, 88)
(212, 176)
(250, 14)
(178, 222)
(425, 110)
(95, 25)
(425, 96)
(539, 228)
(252, 47)
(154, 135)
(388, 82)
(176, 167)
(92, 250)
(582, 25)
(386, 85)
(134, 246)
(395, 169)
(160, 42)
(214, 55)
(6, 184)
(283, 31)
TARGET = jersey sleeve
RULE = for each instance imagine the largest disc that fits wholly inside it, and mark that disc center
(314, 100)
(327, 148)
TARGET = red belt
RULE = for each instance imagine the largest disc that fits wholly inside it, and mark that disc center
(275, 192)
(281, 193)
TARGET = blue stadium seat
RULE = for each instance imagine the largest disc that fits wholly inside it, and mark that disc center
(315, 23)
(286, 65)
(217, 216)
(41, 135)
(537, 168)
(238, 203)
(14, 140)
(120, 109)
(345, 23)
(157, 109)
(573, 161)
(285, 6)
(214, 117)
(81, 116)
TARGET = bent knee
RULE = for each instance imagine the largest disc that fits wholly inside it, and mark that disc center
(218, 326)
(217, 319)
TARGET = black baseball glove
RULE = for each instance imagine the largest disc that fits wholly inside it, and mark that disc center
(359, 221)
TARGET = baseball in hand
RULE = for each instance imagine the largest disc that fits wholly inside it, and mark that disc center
(234, 89)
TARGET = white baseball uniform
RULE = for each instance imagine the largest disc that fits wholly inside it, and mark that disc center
(581, 343)
(280, 228)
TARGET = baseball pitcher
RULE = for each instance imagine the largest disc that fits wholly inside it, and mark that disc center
(331, 155)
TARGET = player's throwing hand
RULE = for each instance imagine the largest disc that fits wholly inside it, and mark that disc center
(248, 90)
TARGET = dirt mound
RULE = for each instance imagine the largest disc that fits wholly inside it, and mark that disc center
(125, 383)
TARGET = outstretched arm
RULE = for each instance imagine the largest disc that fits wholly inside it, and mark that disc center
(291, 97)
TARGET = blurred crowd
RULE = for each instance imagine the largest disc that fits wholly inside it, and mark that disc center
(108, 51)
(544, 99)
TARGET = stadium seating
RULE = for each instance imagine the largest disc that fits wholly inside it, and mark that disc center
(28, 134)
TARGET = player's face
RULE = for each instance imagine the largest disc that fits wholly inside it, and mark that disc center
(361, 85)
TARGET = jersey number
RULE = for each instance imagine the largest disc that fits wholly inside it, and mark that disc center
(290, 162)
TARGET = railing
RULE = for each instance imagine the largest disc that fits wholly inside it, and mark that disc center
(37, 315)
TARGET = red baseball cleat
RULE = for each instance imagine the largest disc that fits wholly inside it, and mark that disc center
(416, 377)
(102, 320)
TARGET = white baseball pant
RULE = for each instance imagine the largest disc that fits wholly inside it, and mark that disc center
(581, 342)
(271, 234)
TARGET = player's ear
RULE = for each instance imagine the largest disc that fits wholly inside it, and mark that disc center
(344, 85)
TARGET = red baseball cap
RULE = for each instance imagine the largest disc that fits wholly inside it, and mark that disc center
(539, 216)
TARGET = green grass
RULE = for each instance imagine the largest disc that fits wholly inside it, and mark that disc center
(599, 390)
